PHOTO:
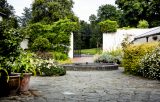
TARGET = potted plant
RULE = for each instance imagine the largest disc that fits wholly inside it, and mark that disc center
(24, 67)
(9, 49)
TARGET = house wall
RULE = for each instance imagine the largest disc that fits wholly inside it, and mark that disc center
(112, 41)
(143, 40)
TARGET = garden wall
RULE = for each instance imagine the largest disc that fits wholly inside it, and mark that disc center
(112, 41)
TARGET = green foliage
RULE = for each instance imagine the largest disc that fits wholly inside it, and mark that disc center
(58, 34)
(44, 55)
(136, 10)
(50, 68)
(108, 26)
(108, 12)
(60, 56)
(150, 65)
(133, 54)
(92, 51)
(143, 24)
(9, 46)
(26, 17)
(48, 11)
(114, 56)
(5, 8)
(41, 44)
(24, 64)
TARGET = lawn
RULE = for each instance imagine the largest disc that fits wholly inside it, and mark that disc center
(92, 51)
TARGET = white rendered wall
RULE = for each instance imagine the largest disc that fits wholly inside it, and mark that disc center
(24, 44)
(70, 54)
(112, 41)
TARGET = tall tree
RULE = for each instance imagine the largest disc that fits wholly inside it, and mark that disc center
(26, 16)
(49, 11)
(9, 17)
(108, 12)
(96, 35)
(136, 10)
(85, 31)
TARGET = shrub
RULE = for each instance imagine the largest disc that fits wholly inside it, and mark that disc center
(142, 24)
(50, 68)
(108, 26)
(133, 54)
(59, 56)
(44, 55)
(114, 56)
(9, 46)
(41, 44)
(150, 65)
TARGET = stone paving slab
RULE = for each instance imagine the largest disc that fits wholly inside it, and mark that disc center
(92, 86)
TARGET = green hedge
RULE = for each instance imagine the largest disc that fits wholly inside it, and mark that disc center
(108, 26)
(133, 54)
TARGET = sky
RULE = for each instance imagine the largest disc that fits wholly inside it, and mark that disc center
(82, 8)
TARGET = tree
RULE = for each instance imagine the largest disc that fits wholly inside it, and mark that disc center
(27, 15)
(9, 37)
(9, 17)
(96, 35)
(49, 11)
(136, 10)
(85, 31)
(108, 12)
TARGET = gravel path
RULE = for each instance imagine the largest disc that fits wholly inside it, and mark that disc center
(91, 86)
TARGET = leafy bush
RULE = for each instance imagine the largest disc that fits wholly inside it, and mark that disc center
(150, 65)
(114, 56)
(50, 68)
(142, 24)
(24, 64)
(108, 26)
(133, 54)
(9, 46)
(41, 44)
(44, 55)
(59, 56)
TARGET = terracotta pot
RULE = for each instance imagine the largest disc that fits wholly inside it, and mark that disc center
(14, 84)
(24, 83)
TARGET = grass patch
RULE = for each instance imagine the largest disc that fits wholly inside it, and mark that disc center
(92, 51)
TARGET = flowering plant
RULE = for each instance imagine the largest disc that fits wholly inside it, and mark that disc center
(49, 67)
(150, 65)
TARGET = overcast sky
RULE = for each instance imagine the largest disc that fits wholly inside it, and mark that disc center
(82, 8)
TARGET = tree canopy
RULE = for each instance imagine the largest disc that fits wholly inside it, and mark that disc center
(9, 17)
(108, 12)
(136, 10)
(49, 11)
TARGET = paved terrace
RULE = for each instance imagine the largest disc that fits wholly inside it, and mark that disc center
(91, 86)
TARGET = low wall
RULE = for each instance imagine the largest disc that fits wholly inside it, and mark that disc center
(112, 41)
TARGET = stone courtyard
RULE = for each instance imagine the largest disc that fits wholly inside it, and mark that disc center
(91, 86)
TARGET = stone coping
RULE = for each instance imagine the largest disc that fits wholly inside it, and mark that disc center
(91, 66)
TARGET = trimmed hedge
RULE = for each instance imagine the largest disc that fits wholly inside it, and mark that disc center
(133, 54)
(108, 26)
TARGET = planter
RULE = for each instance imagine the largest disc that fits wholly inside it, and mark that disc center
(13, 84)
(24, 83)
